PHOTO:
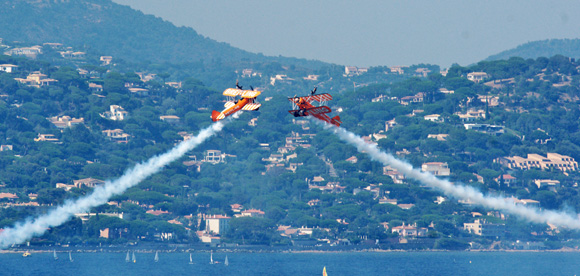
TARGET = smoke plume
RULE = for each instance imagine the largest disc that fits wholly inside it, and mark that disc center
(459, 191)
(29, 228)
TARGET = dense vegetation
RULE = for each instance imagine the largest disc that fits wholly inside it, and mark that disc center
(36, 167)
(110, 29)
(537, 103)
(542, 48)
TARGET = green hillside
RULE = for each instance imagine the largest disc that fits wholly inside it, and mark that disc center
(302, 184)
(116, 30)
(293, 171)
(542, 48)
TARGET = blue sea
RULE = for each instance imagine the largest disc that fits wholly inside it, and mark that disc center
(365, 263)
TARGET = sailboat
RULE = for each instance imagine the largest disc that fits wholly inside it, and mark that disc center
(324, 272)
(190, 259)
(26, 254)
(54, 254)
(127, 259)
(70, 257)
(134, 259)
(226, 263)
(211, 258)
(156, 256)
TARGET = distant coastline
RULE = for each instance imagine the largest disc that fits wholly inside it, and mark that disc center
(256, 250)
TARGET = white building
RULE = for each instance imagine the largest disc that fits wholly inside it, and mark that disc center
(30, 52)
(434, 118)
(253, 213)
(116, 113)
(485, 128)
(217, 224)
(436, 168)
(477, 76)
(213, 156)
(483, 228)
(8, 68)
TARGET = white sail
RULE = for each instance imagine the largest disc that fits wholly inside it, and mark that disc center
(226, 261)
(157, 256)
(54, 254)
(70, 257)
(128, 258)
(134, 259)
(190, 259)
(211, 258)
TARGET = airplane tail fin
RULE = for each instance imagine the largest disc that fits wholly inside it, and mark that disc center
(214, 115)
(337, 120)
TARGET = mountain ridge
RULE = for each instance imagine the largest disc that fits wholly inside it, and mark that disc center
(541, 48)
(118, 30)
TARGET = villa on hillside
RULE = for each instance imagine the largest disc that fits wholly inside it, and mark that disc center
(398, 69)
(8, 68)
(253, 213)
(116, 135)
(483, 228)
(485, 128)
(477, 76)
(436, 168)
(471, 115)
(353, 70)
(6, 147)
(116, 113)
(30, 52)
(439, 137)
(410, 230)
(47, 138)
(551, 161)
(434, 118)
(330, 187)
(89, 182)
(36, 79)
(106, 60)
(418, 98)
(172, 119)
(65, 121)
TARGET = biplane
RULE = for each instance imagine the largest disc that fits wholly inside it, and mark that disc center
(247, 101)
(303, 107)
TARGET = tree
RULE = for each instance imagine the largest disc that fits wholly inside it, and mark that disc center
(251, 230)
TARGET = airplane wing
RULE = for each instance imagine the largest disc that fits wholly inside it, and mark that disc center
(314, 98)
(321, 97)
(318, 110)
(232, 92)
(251, 106)
(250, 93)
(229, 104)
(310, 111)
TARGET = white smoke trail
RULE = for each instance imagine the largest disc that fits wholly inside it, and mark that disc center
(458, 191)
(23, 231)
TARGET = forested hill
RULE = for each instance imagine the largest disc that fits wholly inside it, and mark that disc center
(542, 48)
(117, 30)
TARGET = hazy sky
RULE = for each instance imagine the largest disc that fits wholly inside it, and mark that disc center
(373, 32)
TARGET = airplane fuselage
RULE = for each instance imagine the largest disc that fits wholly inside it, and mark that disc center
(230, 110)
(236, 107)
(321, 116)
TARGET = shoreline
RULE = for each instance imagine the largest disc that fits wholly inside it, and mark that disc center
(264, 251)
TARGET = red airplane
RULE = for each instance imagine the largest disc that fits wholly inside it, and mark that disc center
(233, 105)
(305, 108)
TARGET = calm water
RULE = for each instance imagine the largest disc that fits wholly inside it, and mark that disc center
(368, 263)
